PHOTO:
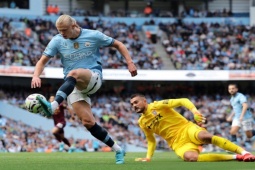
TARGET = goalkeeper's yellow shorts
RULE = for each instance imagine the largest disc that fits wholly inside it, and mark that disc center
(188, 140)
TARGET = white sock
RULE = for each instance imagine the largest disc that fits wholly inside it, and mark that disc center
(234, 156)
(54, 105)
(244, 152)
(116, 147)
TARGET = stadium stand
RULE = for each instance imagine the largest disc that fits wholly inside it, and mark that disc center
(197, 41)
(25, 49)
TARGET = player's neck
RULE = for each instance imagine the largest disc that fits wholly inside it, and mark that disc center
(77, 33)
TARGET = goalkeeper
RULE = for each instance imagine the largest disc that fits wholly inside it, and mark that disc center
(183, 136)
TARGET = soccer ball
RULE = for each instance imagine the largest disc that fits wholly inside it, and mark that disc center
(32, 104)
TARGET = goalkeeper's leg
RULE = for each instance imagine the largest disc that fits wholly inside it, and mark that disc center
(207, 138)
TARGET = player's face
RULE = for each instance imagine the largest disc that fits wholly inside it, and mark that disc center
(67, 31)
(232, 89)
(138, 104)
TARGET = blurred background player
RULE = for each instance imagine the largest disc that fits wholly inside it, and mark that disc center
(183, 136)
(60, 123)
(241, 116)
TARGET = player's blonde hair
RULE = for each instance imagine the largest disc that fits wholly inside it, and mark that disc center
(65, 20)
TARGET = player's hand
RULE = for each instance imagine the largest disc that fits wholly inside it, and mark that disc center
(198, 117)
(142, 159)
(132, 69)
(229, 119)
(36, 82)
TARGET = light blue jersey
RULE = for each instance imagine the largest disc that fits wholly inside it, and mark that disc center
(82, 52)
(236, 102)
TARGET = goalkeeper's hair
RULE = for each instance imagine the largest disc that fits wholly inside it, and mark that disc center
(137, 94)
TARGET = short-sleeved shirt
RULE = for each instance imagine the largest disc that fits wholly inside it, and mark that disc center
(82, 52)
(237, 104)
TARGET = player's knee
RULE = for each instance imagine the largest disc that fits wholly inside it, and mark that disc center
(73, 73)
(88, 123)
(190, 156)
(205, 137)
(54, 131)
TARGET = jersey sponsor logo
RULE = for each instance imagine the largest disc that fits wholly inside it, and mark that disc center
(76, 45)
(87, 44)
(154, 121)
(77, 56)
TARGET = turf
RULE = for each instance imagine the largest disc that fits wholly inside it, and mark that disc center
(106, 161)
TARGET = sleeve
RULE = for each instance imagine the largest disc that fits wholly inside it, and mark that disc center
(173, 103)
(51, 49)
(103, 40)
(243, 99)
(151, 140)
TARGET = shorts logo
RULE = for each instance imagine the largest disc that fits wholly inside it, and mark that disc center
(76, 45)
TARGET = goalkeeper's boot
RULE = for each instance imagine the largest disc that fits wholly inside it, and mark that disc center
(46, 106)
(246, 158)
(120, 156)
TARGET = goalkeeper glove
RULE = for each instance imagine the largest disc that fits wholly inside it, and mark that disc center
(142, 159)
(198, 117)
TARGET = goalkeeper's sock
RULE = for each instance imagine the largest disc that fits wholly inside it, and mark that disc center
(215, 157)
(226, 144)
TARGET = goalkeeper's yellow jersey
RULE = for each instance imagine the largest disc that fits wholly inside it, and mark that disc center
(161, 118)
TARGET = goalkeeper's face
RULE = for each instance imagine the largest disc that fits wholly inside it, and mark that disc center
(139, 104)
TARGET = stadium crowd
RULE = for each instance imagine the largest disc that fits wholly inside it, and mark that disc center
(22, 49)
(210, 46)
(190, 46)
(113, 112)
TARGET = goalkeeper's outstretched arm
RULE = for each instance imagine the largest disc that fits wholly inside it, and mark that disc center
(151, 141)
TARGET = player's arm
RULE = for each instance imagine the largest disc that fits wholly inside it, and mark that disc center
(244, 109)
(151, 142)
(124, 52)
(243, 101)
(185, 102)
(36, 81)
(230, 117)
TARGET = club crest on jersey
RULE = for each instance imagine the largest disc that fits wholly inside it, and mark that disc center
(165, 102)
(87, 44)
(76, 45)
(154, 112)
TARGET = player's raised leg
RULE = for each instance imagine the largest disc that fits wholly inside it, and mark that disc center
(62, 93)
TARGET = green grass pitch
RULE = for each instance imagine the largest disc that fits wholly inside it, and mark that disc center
(106, 161)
